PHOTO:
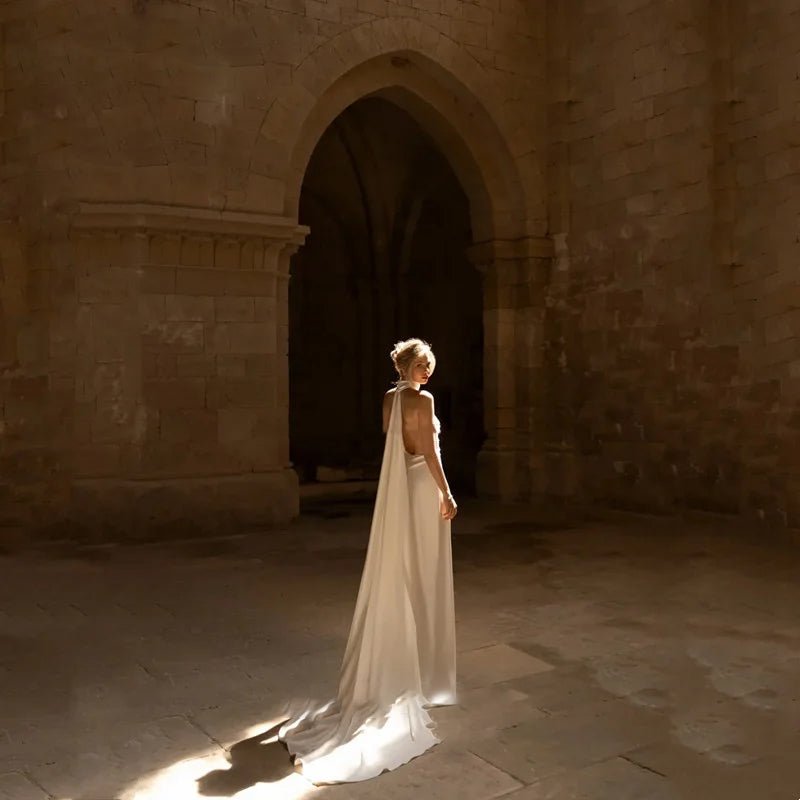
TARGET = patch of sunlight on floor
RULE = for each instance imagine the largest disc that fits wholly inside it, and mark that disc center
(180, 780)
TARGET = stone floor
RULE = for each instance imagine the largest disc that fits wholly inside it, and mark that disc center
(631, 660)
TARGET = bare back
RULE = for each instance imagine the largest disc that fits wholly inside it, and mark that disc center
(419, 434)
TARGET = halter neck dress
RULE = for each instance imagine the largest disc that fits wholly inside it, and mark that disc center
(400, 653)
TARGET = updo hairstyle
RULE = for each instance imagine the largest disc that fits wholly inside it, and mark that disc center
(406, 352)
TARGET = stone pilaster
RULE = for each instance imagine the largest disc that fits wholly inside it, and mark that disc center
(181, 398)
(515, 276)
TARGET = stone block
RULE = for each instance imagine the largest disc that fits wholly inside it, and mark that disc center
(237, 309)
(152, 309)
(188, 308)
(551, 746)
(239, 425)
(164, 249)
(38, 289)
(240, 392)
(497, 663)
(111, 285)
(157, 280)
(27, 387)
(261, 365)
(16, 786)
(242, 337)
(159, 365)
(112, 421)
(252, 255)
(782, 326)
(227, 254)
(180, 393)
(186, 425)
(195, 365)
(231, 366)
(174, 337)
(221, 283)
(191, 251)
(205, 252)
(613, 779)
(448, 773)
(265, 309)
(96, 460)
(266, 193)
(316, 9)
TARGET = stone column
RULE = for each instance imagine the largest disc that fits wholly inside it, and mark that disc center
(515, 274)
(181, 369)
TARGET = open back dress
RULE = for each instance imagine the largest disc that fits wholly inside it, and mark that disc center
(400, 654)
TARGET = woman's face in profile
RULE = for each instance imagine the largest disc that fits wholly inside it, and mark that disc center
(420, 370)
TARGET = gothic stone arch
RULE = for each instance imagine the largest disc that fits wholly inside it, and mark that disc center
(450, 95)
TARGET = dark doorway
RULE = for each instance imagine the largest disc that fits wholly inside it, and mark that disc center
(385, 260)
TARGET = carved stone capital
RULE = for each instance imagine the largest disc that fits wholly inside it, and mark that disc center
(493, 251)
(151, 218)
(183, 236)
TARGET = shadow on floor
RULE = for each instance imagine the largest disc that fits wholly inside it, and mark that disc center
(259, 759)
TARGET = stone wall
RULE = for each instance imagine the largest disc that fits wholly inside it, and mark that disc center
(153, 157)
(153, 154)
(673, 328)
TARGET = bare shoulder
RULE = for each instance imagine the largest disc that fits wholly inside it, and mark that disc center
(425, 403)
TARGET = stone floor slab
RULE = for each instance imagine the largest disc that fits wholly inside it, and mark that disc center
(497, 663)
(16, 786)
(98, 770)
(483, 712)
(535, 750)
(615, 779)
(701, 775)
(443, 773)
(673, 647)
(560, 690)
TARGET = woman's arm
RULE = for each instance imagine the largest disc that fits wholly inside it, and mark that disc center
(427, 434)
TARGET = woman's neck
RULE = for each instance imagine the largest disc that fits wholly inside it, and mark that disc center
(406, 384)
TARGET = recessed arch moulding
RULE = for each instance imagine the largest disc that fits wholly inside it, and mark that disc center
(451, 97)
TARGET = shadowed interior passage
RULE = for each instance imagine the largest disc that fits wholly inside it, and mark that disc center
(385, 259)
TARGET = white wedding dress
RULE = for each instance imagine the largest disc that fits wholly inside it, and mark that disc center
(400, 654)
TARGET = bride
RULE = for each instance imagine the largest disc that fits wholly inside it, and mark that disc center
(400, 654)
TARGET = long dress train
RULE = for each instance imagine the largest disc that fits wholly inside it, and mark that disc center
(400, 654)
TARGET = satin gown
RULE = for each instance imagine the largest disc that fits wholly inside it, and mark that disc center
(400, 656)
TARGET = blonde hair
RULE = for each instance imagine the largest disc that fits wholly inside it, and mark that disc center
(406, 351)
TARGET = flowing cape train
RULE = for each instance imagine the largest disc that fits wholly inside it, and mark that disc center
(378, 720)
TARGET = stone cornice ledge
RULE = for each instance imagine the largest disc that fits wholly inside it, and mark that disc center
(176, 220)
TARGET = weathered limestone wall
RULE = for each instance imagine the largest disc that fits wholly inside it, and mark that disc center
(673, 328)
(153, 155)
(167, 99)
(765, 248)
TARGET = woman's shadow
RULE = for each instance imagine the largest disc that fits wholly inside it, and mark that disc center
(260, 759)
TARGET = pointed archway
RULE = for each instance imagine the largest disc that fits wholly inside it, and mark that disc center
(449, 100)
(386, 258)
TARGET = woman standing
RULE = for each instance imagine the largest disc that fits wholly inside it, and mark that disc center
(400, 654)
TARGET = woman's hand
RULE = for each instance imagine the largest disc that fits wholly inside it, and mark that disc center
(447, 506)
